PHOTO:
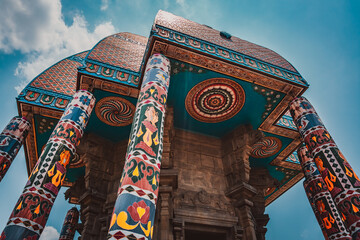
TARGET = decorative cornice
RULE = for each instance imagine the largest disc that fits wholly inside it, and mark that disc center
(44, 98)
(109, 72)
(227, 54)
(90, 83)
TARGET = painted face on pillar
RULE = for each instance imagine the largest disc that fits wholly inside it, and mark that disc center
(152, 115)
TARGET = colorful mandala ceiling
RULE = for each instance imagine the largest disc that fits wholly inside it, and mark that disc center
(215, 100)
(115, 111)
(266, 147)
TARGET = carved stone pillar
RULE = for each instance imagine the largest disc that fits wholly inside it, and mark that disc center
(179, 230)
(341, 180)
(134, 210)
(241, 196)
(236, 151)
(97, 155)
(261, 180)
(165, 214)
(96, 192)
(93, 198)
(11, 139)
(166, 161)
(32, 210)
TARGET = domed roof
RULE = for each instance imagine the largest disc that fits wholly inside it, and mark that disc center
(123, 50)
(60, 77)
(203, 32)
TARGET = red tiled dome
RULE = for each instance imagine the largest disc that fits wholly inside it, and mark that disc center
(124, 50)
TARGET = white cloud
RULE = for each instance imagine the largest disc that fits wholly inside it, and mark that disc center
(104, 5)
(181, 2)
(37, 29)
(49, 233)
(166, 4)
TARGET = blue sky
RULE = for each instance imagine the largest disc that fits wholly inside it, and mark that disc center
(320, 38)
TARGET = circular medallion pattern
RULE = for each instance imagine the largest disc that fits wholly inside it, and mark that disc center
(115, 111)
(215, 100)
(267, 147)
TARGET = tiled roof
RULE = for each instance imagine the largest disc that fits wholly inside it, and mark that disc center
(209, 34)
(60, 77)
(124, 50)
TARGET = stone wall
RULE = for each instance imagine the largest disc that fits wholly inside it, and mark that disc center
(198, 160)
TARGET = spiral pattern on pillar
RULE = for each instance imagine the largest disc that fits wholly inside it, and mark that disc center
(134, 211)
(69, 227)
(11, 139)
(338, 175)
(320, 199)
(32, 210)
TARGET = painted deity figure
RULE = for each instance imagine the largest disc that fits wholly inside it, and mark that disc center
(148, 131)
(57, 173)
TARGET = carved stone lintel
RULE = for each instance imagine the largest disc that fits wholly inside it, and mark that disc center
(242, 191)
(203, 201)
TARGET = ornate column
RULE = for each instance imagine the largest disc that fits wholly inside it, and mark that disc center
(134, 210)
(32, 210)
(70, 223)
(236, 147)
(11, 139)
(341, 180)
(320, 199)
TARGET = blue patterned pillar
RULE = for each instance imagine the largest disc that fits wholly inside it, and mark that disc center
(32, 210)
(320, 199)
(69, 227)
(134, 211)
(338, 175)
(11, 139)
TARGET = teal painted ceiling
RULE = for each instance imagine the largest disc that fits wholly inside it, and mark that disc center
(95, 125)
(256, 107)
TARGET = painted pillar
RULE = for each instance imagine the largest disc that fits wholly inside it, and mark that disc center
(134, 210)
(69, 227)
(32, 210)
(11, 139)
(320, 199)
(341, 180)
